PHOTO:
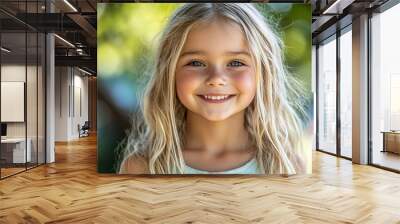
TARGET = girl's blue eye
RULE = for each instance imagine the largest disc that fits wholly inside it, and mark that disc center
(195, 63)
(235, 64)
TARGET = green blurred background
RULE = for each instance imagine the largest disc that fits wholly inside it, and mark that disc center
(127, 35)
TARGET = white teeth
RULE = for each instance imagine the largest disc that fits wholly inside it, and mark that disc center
(216, 97)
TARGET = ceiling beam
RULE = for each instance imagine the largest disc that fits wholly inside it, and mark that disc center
(82, 61)
(337, 7)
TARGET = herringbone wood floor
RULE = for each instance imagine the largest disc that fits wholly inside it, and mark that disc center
(71, 191)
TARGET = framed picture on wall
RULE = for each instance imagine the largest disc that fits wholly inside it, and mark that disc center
(204, 88)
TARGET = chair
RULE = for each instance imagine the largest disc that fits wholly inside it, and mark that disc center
(84, 130)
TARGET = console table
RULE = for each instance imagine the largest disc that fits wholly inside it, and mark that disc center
(391, 141)
(13, 150)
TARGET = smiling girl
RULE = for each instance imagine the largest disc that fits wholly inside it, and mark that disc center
(218, 99)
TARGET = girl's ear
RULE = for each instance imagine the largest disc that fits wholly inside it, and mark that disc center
(252, 105)
(185, 114)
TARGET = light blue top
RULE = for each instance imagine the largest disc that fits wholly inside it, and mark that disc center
(248, 168)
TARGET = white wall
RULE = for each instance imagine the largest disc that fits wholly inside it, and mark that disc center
(62, 81)
(71, 93)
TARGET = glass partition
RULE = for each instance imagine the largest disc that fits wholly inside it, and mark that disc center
(41, 86)
(346, 93)
(13, 108)
(385, 89)
(31, 100)
(327, 95)
(22, 64)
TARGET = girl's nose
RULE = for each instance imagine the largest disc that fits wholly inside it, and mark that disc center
(216, 77)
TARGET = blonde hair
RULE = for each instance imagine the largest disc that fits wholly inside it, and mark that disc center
(270, 119)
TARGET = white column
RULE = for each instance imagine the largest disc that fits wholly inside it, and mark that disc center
(360, 90)
(50, 99)
(50, 93)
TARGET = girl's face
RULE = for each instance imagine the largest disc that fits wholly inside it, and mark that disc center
(215, 73)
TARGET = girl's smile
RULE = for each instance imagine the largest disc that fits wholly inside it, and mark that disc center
(216, 98)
